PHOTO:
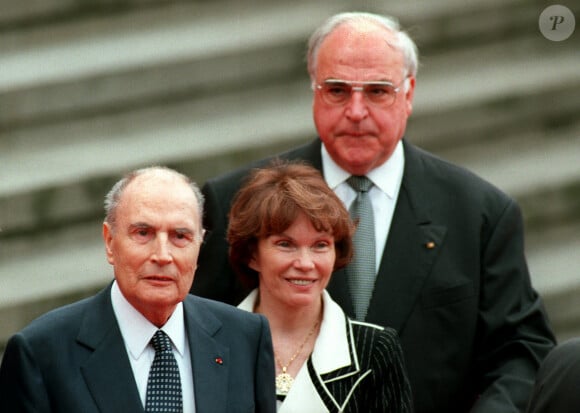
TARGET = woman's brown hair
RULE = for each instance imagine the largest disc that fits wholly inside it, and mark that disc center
(270, 201)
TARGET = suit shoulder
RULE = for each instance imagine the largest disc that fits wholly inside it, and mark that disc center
(364, 324)
(456, 179)
(375, 331)
(233, 324)
(234, 178)
(224, 311)
(57, 321)
(376, 345)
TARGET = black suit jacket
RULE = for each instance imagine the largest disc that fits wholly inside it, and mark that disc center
(73, 359)
(558, 381)
(453, 282)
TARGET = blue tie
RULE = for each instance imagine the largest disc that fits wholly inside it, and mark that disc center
(164, 384)
(361, 271)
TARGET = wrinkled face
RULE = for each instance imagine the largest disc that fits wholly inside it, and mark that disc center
(360, 136)
(294, 267)
(155, 244)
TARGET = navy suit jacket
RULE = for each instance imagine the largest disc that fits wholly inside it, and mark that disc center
(73, 359)
(453, 282)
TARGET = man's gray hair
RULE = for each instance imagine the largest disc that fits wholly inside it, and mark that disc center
(404, 41)
(114, 195)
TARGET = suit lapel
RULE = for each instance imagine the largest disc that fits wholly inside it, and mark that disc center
(209, 358)
(335, 386)
(413, 243)
(107, 370)
(409, 254)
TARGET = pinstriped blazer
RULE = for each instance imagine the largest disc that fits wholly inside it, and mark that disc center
(355, 367)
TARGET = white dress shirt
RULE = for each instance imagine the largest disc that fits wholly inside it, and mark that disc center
(137, 332)
(387, 180)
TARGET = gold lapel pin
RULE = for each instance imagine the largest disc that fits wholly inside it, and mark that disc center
(430, 245)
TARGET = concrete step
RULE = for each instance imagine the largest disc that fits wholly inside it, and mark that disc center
(554, 262)
(52, 270)
(534, 167)
(67, 162)
(477, 94)
(17, 13)
(123, 61)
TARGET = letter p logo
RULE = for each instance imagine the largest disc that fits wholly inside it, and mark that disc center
(557, 23)
(556, 20)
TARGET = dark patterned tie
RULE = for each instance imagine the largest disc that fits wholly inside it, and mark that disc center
(361, 271)
(164, 384)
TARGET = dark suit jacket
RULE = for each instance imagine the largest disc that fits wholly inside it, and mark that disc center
(73, 359)
(558, 381)
(453, 281)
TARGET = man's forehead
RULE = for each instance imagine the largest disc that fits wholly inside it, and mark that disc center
(159, 184)
(176, 219)
(158, 177)
(159, 193)
(364, 31)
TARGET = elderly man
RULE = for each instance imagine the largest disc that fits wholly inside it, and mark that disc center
(143, 343)
(439, 252)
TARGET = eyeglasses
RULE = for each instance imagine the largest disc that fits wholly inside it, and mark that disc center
(338, 92)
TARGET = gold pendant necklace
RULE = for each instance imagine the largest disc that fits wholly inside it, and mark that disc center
(284, 380)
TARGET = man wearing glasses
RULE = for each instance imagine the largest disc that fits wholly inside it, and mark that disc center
(445, 262)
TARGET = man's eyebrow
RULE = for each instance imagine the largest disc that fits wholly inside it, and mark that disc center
(139, 225)
(184, 230)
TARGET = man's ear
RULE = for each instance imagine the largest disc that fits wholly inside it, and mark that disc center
(410, 94)
(108, 239)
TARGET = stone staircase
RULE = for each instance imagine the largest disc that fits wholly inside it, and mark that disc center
(92, 89)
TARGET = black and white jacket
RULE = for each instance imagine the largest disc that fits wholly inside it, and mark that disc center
(354, 367)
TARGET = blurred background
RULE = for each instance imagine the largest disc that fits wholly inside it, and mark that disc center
(90, 89)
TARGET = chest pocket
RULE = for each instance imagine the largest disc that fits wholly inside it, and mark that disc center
(446, 296)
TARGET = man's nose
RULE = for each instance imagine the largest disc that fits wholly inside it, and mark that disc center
(356, 107)
(162, 250)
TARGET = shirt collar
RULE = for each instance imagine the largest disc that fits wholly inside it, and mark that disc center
(137, 331)
(333, 334)
(386, 177)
